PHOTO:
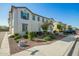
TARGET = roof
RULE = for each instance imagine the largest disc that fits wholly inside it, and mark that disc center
(30, 11)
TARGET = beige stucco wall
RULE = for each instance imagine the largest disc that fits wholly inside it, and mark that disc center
(33, 25)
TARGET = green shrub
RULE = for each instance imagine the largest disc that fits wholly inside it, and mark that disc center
(17, 37)
(17, 40)
(16, 34)
(25, 36)
(31, 35)
(35, 34)
(52, 36)
(26, 33)
(47, 38)
(12, 36)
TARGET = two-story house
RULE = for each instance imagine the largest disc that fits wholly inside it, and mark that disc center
(21, 19)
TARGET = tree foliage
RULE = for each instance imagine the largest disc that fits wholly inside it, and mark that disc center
(45, 26)
(59, 27)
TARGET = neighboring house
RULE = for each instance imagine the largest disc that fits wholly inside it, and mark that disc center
(22, 20)
(55, 26)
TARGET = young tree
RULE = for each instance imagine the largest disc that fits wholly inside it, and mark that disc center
(45, 26)
(59, 27)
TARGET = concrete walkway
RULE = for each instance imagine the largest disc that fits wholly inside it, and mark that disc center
(4, 50)
(1, 37)
(58, 48)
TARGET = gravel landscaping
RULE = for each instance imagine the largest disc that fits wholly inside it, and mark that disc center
(14, 46)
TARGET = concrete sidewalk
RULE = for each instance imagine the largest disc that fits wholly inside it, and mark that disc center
(4, 50)
(58, 48)
(1, 37)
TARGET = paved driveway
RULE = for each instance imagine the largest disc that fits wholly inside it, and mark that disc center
(1, 37)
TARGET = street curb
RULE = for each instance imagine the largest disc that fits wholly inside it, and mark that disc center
(71, 48)
(76, 49)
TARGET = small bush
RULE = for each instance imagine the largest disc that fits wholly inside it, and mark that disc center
(31, 35)
(17, 40)
(12, 36)
(52, 36)
(35, 34)
(47, 38)
(17, 37)
(26, 33)
(16, 34)
(25, 36)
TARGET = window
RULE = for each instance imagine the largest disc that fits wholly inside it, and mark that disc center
(38, 18)
(24, 15)
(27, 16)
(24, 27)
(42, 19)
(33, 17)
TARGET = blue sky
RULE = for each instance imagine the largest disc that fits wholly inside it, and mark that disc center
(66, 13)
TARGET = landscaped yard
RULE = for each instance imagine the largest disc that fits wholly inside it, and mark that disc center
(36, 41)
(30, 39)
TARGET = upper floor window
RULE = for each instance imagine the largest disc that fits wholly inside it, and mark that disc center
(38, 18)
(24, 15)
(33, 17)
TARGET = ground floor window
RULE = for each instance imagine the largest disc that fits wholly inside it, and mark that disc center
(24, 27)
